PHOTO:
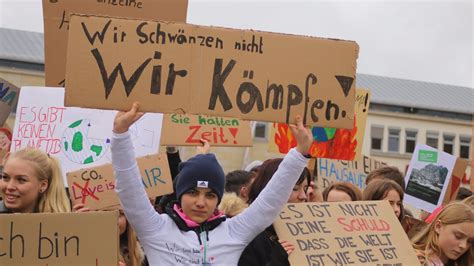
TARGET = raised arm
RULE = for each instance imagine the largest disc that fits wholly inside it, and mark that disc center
(264, 210)
(129, 186)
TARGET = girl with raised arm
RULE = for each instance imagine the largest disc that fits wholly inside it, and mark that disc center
(192, 231)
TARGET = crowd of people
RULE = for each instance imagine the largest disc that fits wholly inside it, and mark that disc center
(218, 218)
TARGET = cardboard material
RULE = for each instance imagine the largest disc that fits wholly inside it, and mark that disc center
(78, 137)
(8, 99)
(187, 130)
(57, 17)
(57, 239)
(328, 171)
(183, 68)
(332, 143)
(344, 233)
(459, 171)
(428, 178)
(95, 187)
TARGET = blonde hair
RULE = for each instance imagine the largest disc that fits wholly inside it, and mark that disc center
(231, 204)
(426, 241)
(54, 199)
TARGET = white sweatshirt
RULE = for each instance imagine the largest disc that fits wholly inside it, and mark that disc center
(165, 244)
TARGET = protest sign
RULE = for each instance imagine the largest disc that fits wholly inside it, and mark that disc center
(95, 187)
(328, 171)
(8, 99)
(331, 143)
(79, 137)
(343, 233)
(57, 17)
(428, 177)
(187, 130)
(183, 68)
(57, 239)
(454, 184)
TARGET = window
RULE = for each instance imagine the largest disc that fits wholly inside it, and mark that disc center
(410, 140)
(448, 143)
(393, 139)
(376, 135)
(432, 139)
(464, 147)
(260, 130)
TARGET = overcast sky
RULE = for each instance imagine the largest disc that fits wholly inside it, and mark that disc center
(419, 40)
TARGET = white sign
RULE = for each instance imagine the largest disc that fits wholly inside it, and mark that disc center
(428, 177)
(79, 137)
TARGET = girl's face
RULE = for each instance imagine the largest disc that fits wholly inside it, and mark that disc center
(314, 194)
(454, 239)
(337, 195)
(122, 223)
(299, 192)
(395, 201)
(4, 141)
(20, 186)
(199, 204)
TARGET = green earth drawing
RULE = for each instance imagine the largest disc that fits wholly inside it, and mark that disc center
(78, 147)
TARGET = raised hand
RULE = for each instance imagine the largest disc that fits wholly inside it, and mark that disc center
(206, 146)
(303, 136)
(123, 120)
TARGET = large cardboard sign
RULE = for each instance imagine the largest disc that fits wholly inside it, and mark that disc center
(328, 171)
(95, 187)
(57, 17)
(344, 233)
(428, 177)
(57, 239)
(332, 143)
(187, 130)
(183, 68)
(79, 137)
(8, 99)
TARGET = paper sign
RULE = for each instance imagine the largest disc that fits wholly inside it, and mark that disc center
(79, 137)
(95, 187)
(344, 233)
(183, 68)
(56, 24)
(57, 239)
(428, 177)
(187, 130)
(456, 179)
(328, 171)
(8, 99)
(332, 143)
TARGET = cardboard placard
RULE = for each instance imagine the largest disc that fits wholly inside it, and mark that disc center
(78, 137)
(459, 171)
(331, 143)
(57, 239)
(8, 98)
(95, 187)
(344, 233)
(183, 68)
(328, 171)
(187, 130)
(428, 177)
(57, 17)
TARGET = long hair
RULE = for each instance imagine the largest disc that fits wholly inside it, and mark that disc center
(264, 175)
(378, 190)
(346, 187)
(130, 249)
(426, 241)
(54, 199)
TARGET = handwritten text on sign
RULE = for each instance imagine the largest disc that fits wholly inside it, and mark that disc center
(363, 232)
(188, 130)
(209, 70)
(95, 187)
(59, 239)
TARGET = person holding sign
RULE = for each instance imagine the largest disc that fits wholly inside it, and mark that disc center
(385, 189)
(266, 248)
(32, 183)
(448, 240)
(192, 231)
